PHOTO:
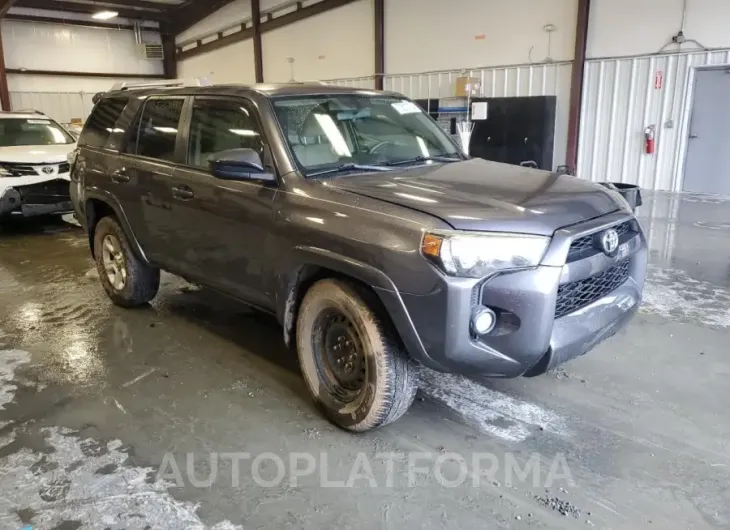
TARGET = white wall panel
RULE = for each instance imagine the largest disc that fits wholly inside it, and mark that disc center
(232, 64)
(366, 82)
(338, 43)
(620, 99)
(227, 16)
(43, 46)
(45, 83)
(636, 27)
(61, 106)
(439, 35)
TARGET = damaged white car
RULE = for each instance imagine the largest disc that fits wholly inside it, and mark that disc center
(34, 167)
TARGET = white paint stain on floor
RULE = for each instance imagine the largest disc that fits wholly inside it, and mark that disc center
(82, 480)
(87, 481)
(674, 294)
(490, 411)
(10, 361)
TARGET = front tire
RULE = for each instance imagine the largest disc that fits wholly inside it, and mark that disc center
(352, 360)
(127, 280)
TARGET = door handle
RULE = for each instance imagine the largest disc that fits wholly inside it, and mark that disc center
(183, 193)
(120, 176)
(694, 136)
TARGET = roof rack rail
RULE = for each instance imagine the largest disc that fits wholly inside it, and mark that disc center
(170, 83)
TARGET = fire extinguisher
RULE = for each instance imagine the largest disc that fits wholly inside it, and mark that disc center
(649, 139)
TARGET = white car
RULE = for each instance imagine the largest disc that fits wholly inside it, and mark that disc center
(34, 167)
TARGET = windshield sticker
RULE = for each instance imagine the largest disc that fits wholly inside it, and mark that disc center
(39, 122)
(406, 107)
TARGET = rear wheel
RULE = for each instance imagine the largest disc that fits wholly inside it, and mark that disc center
(352, 360)
(127, 280)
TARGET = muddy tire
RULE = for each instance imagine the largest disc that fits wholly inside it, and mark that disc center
(127, 280)
(354, 364)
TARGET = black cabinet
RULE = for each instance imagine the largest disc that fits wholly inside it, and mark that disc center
(429, 105)
(517, 130)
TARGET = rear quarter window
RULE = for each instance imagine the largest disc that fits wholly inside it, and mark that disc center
(100, 124)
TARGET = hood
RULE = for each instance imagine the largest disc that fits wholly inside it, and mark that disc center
(481, 195)
(36, 154)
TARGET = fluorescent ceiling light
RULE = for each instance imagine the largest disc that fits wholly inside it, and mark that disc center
(105, 15)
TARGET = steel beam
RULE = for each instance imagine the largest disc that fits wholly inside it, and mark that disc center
(576, 85)
(4, 90)
(276, 22)
(379, 18)
(258, 60)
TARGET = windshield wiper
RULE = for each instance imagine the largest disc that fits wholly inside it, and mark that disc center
(422, 158)
(347, 167)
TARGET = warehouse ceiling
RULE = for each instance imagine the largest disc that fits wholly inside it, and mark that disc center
(177, 14)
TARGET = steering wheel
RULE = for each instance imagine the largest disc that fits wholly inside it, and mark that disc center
(378, 145)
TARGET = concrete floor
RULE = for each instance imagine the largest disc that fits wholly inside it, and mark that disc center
(115, 419)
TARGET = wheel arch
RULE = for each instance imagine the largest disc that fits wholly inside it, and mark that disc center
(102, 204)
(314, 264)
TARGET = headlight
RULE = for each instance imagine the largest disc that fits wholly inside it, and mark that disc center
(475, 255)
(5, 173)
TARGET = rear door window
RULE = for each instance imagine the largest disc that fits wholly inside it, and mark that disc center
(101, 122)
(157, 129)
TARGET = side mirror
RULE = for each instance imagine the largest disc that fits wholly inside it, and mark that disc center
(239, 164)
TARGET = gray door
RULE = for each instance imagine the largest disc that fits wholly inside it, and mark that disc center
(708, 150)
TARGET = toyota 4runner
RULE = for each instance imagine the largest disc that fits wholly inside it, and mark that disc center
(357, 221)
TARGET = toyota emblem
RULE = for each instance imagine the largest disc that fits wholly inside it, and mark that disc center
(48, 170)
(609, 241)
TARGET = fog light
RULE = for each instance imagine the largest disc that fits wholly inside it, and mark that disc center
(483, 320)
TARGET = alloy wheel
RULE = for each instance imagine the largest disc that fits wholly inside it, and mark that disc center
(115, 264)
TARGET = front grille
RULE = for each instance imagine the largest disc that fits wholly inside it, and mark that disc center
(20, 170)
(577, 295)
(583, 246)
(51, 192)
(33, 170)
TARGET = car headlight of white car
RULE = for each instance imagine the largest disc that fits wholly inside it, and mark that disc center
(4, 172)
(480, 254)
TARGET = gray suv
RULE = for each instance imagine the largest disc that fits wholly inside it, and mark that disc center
(357, 221)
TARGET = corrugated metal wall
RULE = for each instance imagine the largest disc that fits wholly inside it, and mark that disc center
(61, 106)
(69, 48)
(621, 97)
(367, 82)
(544, 79)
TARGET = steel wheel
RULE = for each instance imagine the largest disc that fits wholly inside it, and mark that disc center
(353, 362)
(114, 262)
(340, 354)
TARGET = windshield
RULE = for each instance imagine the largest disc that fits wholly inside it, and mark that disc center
(333, 130)
(32, 131)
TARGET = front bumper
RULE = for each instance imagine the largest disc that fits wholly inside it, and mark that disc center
(532, 335)
(37, 198)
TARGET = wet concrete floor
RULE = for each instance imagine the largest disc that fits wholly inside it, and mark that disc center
(191, 414)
